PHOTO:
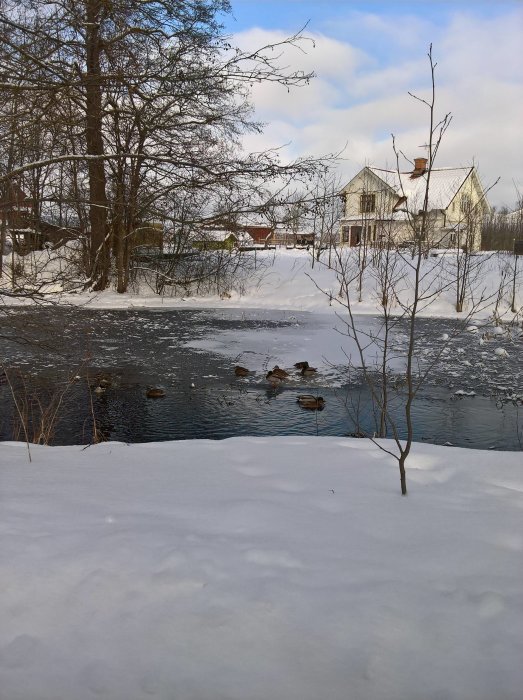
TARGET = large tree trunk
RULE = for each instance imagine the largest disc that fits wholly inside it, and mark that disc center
(99, 244)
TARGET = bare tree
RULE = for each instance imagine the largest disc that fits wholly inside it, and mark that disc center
(326, 209)
(149, 101)
(501, 227)
(405, 286)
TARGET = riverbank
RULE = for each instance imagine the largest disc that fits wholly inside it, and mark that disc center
(287, 280)
(255, 568)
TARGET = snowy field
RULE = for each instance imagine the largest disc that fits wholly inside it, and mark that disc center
(285, 280)
(256, 569)
(282, 568)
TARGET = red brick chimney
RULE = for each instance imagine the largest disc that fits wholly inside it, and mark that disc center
(420, 167)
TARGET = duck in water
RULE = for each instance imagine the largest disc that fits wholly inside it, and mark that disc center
(241, 371)
(314, 403)
(155, 393)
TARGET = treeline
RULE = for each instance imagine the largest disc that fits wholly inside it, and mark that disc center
(501, 229)
(114, 115)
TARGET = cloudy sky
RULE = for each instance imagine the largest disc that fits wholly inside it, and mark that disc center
(367, 55)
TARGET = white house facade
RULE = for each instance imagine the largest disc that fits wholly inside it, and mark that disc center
(384, 205)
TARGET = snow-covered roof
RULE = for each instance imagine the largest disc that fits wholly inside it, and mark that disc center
(445, 183)
(244, 238)
(221, 235)
(218, 235)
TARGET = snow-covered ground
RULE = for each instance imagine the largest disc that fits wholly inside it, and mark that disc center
(285, 279)
(261, 568)
(249, 569)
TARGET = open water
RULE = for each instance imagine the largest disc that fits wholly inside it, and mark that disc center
(54, 358)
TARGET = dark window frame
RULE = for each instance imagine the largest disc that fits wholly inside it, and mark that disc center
(367, 203)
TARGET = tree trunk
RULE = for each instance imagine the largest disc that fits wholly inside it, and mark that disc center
(403, 477)
(99, 248)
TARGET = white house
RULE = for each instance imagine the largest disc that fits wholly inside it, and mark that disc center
(515, 218)
(386, 205)
(221, 239)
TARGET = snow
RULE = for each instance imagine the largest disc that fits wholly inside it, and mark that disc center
(445, 183)
(264, 568)
(286, 280)
(286, 568)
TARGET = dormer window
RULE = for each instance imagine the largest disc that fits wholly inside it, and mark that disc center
(367, 203)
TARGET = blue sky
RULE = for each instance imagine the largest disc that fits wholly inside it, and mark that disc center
(322, 13)
(368, 55)
(336, 18)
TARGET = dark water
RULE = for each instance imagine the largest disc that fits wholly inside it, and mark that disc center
(45, 349)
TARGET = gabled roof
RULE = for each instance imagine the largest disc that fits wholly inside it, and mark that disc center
(444, 185)
(216, 235)
(245, 238)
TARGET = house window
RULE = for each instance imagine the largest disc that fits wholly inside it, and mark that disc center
(466, 204)
(345, 234)
(355, 235)
(367, 203)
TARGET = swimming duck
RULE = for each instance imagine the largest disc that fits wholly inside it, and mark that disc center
(99, 389)
(273, 379)
(301, 365)
(281, 373)
(308, 371)
(315, 403)
(155, 393)
(241, 371)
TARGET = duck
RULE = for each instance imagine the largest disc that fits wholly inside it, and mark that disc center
(301, 365)
(241, 371)
(99, 389)
(308, 371)
(315, 403)
(273, 379)
(155, 393)
(281, 373)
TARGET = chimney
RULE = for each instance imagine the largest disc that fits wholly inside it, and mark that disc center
(420, 166)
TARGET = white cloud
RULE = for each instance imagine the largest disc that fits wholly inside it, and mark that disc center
(406, 31)
(359, 98)
(327, 57)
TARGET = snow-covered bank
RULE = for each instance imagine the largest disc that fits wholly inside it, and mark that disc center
(256, 569)
(285, 279)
